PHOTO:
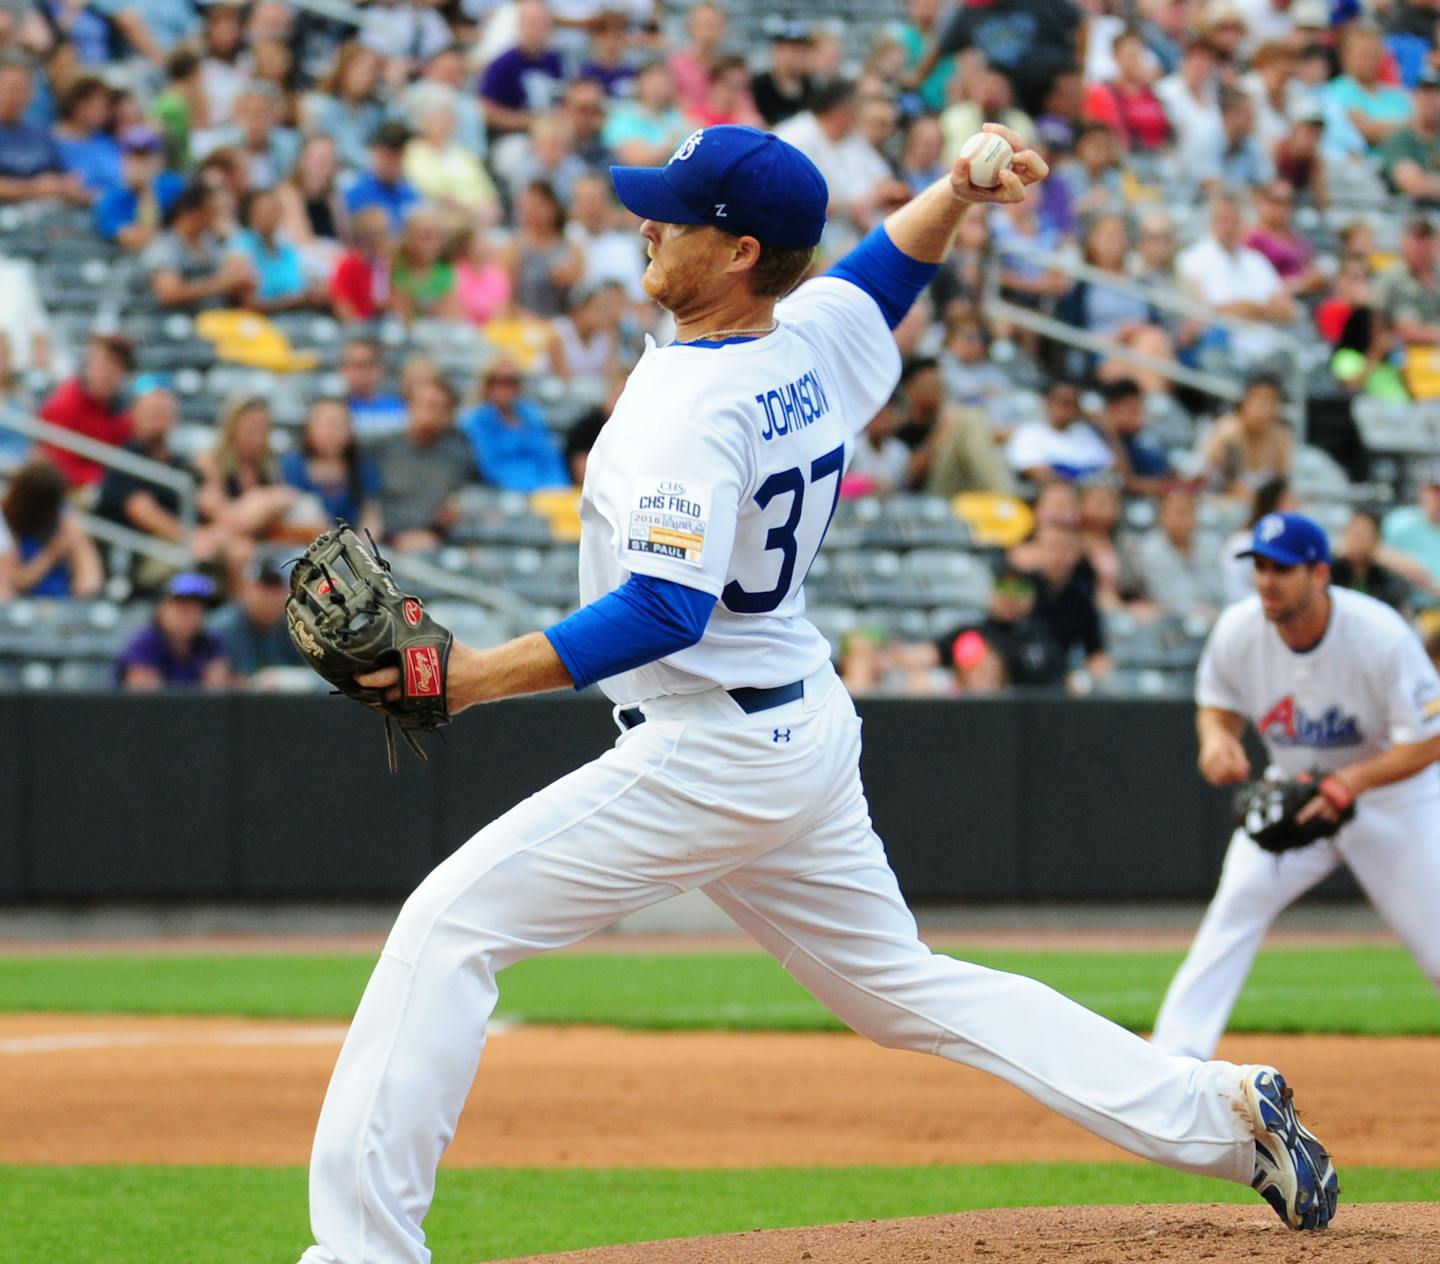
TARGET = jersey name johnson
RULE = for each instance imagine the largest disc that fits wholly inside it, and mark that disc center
(793, 406)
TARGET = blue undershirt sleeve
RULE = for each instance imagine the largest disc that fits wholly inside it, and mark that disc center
(642, 620)
(886, 273)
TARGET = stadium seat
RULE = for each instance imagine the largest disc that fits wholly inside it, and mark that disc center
(89, 676)
(1219, 515)
(1317, 476)
(834, 622)
(865, 564)
(943, 620)
(1145, 683)
(469, 623)
(1396, 426)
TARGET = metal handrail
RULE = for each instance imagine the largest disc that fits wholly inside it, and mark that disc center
(335, 10)
(107, 454)
(465, 587)
(416, 569)
(164, 551)
(1155, 296)
(1059, 331)
(1165, 299)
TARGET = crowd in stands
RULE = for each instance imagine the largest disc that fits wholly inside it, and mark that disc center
(1239, 185)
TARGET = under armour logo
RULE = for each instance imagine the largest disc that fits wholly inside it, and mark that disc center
(720, 210)
(687, 146)
(781, 735)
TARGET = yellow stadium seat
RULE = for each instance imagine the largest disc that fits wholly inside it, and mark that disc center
(995, 519)
(251, 340)
(560, 507)
(1422, 372)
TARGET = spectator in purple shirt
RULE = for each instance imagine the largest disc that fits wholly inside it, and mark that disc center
(175, 649)
(525, 80)
(609, 41)
(1291, 253)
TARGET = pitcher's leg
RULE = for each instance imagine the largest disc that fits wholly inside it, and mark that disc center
(1397, 861)
(514, 890)
(1255, 886)
(837, 922)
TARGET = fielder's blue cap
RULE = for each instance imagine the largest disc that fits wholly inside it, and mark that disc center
(744, 181)
(1290, 539)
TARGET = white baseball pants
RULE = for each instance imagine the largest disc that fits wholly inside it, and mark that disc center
(766, 814)
(1394, 854)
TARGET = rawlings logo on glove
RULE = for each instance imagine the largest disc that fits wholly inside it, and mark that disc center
(347, 617)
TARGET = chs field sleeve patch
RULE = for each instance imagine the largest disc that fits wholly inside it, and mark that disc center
(668, 518)
(1413, 699)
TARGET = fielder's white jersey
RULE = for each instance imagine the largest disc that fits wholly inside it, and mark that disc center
(720, 469)
(1368, 685)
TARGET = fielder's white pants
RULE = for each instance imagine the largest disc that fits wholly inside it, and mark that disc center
(766, 814)
(1394, 853)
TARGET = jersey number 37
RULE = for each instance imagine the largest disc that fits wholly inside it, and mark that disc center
(796, 532)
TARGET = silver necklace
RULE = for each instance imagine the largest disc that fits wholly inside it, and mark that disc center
(716, 334)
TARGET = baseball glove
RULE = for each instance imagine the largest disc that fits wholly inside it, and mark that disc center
(346, 616)
(1267, 810)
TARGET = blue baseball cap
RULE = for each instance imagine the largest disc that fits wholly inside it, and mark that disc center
(191, 584)
(739, 179)
(1290, 539)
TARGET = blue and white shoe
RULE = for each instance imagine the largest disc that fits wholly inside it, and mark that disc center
(1293, 1171)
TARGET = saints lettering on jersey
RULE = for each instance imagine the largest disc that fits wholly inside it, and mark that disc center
(1287, 724)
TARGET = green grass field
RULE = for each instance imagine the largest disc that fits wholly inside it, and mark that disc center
(1374, 990)
(227, 1215)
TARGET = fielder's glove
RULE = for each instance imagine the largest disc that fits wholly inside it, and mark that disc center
(346, 616)
(1268, 810)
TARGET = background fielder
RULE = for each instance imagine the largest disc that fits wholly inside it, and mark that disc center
(1332, 680)
(704, 503)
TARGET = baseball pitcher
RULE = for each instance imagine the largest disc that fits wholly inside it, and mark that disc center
(1348, 705)
(737, 767)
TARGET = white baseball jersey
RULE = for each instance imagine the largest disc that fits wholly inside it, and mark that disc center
(720, 469)
(1368, 685)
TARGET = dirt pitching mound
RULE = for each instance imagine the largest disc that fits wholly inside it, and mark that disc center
(1376, 1233)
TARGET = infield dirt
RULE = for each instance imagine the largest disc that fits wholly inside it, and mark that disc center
(1377, 1233)
(81, 1089)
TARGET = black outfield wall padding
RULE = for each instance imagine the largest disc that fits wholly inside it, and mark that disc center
(253, 796)
(14, 834)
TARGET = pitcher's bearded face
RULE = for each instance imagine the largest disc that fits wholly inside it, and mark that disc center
(684, 260)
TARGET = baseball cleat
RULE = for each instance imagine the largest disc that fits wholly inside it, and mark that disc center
(1293, 1171)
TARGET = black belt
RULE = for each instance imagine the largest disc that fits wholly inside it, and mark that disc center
(748, 700)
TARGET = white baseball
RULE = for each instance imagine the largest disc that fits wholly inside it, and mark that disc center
(989, 155)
